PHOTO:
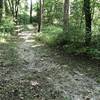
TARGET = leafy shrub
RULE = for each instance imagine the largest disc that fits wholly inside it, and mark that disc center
(75, 47)
(76, 34)
(7, 25)
(23, 18)
(51, 35)
(79, 49)
(95, 53)
(35, 19)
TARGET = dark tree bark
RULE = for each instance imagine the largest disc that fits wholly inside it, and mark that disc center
(41, 13)
(31, 12)
(14, 7)
(1, 9)
(40, 17)
(66, 16)
(88, 19)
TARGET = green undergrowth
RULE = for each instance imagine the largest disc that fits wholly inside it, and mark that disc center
(8, 53)
(7, 25)
(79, 48)
(51, 35)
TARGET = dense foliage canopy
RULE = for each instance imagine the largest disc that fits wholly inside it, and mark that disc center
(78, 19)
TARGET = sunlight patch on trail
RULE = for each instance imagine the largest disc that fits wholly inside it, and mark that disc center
(30, 41)
(25, 35)
(38, 45)
(3, 40)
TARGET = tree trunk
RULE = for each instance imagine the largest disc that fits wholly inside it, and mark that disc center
(1, 9)
(31, 12)
(66, 16)
(43, 11)
(40, 16)
(87, 11)
(11, 9)
(14, 5)
(7, 10)
(16, 8)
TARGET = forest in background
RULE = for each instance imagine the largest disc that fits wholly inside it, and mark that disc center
(70, 24)
(49, 49)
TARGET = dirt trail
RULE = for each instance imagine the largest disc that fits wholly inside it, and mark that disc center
(43, 73)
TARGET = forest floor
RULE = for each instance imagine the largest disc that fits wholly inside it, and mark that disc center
(30, 70)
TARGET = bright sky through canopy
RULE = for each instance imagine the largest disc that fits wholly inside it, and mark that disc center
(33, 1)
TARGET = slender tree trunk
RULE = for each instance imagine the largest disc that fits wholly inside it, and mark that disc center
(87, 11)
(16, 13)
(1, 9)
(43, 4)
(11, 9)
(40, 16)
(7, 10)
(31, 12)
(66, 16)
(16, 8)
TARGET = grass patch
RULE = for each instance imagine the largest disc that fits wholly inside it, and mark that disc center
(51, 35)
